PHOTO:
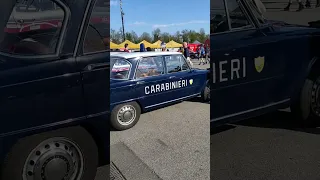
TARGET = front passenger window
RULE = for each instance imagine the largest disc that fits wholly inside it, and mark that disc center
(218, 17)
(237, 17)
(173, 63)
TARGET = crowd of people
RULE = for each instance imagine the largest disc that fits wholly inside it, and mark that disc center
(202, 52)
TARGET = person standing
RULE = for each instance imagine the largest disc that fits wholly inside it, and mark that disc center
(186, 54)
(202, 54)
(142, 48)
(126, 49)
(207, 54)
(301, 6)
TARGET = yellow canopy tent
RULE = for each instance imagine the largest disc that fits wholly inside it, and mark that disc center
(173, 44)
(146, 44)
(131, 45)
(156, 44)
(114, 46)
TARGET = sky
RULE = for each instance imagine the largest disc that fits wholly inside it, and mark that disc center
(168, 15)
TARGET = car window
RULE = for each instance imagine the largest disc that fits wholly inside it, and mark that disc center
(218, 17)
(237, 16)
(33, 28)
(256, 12)
(150, 66)
(175, 63)
(120, 68)
(184, 63)
(97, 32)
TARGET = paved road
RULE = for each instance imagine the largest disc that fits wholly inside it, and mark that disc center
(169, 143)
(270, 147)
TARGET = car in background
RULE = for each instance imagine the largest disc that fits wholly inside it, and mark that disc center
(144, 81)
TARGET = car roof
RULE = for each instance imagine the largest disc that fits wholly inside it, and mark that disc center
(143, 54)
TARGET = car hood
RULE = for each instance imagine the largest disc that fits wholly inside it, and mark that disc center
(283, 27)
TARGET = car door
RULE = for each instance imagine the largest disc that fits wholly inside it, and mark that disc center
(40, 86)
(244, 62)
(152, 82)
(94, 63)
(187, 82)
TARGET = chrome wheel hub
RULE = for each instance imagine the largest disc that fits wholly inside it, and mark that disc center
(126, 115)
(54, 159)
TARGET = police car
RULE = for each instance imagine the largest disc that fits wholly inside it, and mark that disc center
(143, 81)
(54, 89)
(259, 66)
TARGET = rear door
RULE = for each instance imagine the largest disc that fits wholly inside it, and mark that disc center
(152, 82)
(40, 86)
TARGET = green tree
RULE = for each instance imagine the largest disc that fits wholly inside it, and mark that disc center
(156, 34)
(145, 36)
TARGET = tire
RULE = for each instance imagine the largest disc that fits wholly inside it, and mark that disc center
(307, 107)
(205, 94)
(34, 154)
(134, 111)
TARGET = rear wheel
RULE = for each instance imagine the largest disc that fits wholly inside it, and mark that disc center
(69, 154)
(308, 105)
(125, 116)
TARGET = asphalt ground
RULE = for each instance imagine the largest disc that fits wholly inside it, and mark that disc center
(275, 146)
(168, 143)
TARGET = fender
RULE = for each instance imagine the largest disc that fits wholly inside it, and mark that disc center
(306, 74)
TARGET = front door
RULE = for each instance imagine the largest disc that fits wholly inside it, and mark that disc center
(244, 63)
(186, 83)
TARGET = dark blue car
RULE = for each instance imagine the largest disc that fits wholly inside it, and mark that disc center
(144, 81)
(259, 66)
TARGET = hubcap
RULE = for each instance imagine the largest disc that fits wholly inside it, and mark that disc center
(54, 159)
(315, 98)
(126, 115)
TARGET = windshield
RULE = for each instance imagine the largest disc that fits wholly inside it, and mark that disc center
(120, 68)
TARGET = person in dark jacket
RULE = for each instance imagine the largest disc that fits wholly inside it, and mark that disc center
(142, 48)
(186, 53)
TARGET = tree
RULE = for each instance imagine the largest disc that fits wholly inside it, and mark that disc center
(166, 37)
(183, 36)
(156, 34)
(115, 36)
(145, 36)
(202, 35)
(135, 38)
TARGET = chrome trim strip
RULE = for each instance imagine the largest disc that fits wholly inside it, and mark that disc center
(171, 101)
(250, 110)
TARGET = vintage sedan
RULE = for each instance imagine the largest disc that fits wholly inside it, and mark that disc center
(144, 81)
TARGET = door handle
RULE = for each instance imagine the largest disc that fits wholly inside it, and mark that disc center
(91, 67)
(171, 77)
(140, 82)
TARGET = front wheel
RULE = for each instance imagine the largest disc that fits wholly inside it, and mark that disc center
(125, 116)
(67, 154)
(307, 107)
(205, 94)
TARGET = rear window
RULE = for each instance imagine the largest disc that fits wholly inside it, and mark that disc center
(33, 28)
(120, 68)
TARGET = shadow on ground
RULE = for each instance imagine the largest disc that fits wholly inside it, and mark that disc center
(276, 120)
